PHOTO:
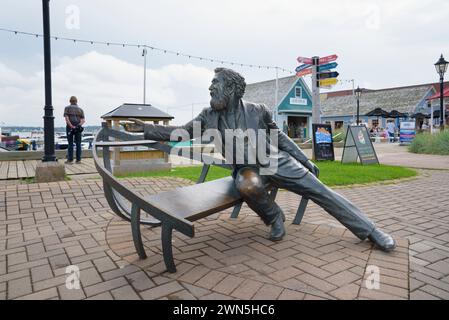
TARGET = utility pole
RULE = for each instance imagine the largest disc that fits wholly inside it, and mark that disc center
(144, 55)
(353, 95)
(276, 97)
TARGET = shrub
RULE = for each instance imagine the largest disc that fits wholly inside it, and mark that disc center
(431, 144)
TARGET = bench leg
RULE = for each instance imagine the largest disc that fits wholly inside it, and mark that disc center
(167, 249)
(236, 211)
(301, 210)
(204, 173)
(135, 229)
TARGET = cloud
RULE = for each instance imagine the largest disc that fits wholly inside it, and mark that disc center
(101, 83)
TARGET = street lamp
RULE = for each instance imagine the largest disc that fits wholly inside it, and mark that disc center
(49, 126)
(441, 67)
(358, 94)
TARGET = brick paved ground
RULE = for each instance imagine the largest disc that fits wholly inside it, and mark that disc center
(46, 227)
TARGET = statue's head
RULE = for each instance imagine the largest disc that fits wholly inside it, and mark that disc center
(227, 85)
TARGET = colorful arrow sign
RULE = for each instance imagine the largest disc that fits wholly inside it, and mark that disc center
(304, 72)
(303, 67)
(305, 60)
(328, 82)
(327, 59)
(327, 75)
(328, 66)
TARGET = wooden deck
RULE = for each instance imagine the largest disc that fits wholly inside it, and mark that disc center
(23, 169)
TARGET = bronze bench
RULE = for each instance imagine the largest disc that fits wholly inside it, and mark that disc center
(175, 209)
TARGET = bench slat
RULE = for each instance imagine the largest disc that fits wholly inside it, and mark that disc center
(124, 143)
(198, 201)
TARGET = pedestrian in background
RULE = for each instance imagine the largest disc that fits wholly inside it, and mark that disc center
(74, 118)
(391, 128)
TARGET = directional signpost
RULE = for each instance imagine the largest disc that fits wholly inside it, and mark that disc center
(302, 67)
(305, 60)
(327, 66)
(304, 72)
(327, 75)
(322, 77)
(328, 59)
(328, 82)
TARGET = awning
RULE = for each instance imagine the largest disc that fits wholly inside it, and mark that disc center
(378, 112)
(437, 95)
(396, 114)
(421, 115)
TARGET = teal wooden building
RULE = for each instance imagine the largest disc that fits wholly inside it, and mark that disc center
(293, 109)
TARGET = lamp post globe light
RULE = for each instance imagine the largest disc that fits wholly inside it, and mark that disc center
(358, 94)
(441, 68)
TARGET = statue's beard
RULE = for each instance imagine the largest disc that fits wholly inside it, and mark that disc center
(219, 103)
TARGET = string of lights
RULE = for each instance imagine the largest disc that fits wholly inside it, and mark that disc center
(165, 51)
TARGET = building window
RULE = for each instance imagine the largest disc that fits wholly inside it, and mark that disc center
(298, 92)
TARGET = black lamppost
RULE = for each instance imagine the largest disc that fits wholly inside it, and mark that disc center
(441, 67)
(358, 94)
(49, 126)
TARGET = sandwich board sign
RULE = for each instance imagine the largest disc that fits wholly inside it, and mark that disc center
(407, 132)
(323, 144)
(358, 145)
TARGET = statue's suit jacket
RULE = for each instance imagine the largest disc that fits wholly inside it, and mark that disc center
(290, 158)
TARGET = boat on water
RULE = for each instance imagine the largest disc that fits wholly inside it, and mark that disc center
(34, 141)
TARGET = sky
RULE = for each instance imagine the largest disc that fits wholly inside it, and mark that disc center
(380, 44)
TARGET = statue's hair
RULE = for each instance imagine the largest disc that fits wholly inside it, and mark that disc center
(233, 78)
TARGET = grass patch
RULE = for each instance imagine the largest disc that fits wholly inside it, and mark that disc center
(337, 174)
(331, 173)
(426, 143)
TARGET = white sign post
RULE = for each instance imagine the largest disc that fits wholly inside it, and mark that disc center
(316, 105)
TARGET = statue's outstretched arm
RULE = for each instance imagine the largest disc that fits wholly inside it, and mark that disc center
(166, 133)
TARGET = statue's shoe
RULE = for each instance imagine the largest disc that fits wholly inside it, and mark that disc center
(277, 229)
(382, 240)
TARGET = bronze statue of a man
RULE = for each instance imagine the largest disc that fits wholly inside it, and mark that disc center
(294, 170)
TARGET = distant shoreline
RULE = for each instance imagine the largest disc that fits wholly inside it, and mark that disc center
(57, 129)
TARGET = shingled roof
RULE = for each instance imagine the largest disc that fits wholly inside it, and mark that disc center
(140, 111)
(404, 99)
(264, 92)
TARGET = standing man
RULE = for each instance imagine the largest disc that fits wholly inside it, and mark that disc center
(391, 128)
(294, 171)
(74, 118)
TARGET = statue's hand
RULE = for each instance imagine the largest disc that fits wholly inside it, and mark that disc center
(137, 126)
(313, 168)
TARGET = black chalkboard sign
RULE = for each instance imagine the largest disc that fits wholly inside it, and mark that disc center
(358, 145)
(323, 144)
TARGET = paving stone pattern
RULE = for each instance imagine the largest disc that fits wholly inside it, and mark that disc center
(47, 227)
